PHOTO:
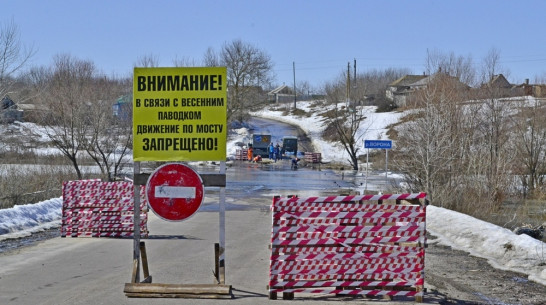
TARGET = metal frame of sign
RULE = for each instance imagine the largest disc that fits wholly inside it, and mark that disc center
(377, 144)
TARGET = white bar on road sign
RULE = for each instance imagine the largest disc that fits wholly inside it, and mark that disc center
(165, 191)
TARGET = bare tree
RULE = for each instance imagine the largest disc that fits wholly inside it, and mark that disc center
(454, 149)
(303, 88)
(348, 97)
(67, 99)
(110, 135)
(248, 70)
(344, 121)
(184, 62)
(491, 66)
(429, 145)
(211, 59)
(14, 55)
(530, 141)
(79, 120)
(369, 87)
(459, 67)
(147, 61)
(495, 129)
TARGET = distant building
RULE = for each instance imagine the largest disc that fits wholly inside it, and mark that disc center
(9, 112)
(500, 87)
(121, 108)
(399, 90)
(535, 90)
(499, 81)
(281, 94)
(32, 112)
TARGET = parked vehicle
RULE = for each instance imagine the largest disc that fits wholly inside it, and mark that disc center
(260, 144)
(289, 146)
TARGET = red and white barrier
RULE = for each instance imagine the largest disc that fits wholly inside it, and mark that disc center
(92, 208)
(241, 155)
(312, 157)
(348, 245)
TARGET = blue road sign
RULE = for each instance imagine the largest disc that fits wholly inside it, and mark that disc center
(383, 144)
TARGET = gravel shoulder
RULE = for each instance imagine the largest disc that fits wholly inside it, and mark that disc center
(460, 278)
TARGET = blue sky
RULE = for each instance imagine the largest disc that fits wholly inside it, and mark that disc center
(320, 37)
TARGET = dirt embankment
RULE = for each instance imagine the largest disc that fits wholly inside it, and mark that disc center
(456, 277)
(304, 141)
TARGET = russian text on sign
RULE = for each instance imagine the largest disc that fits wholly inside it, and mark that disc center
(179, 115)
(179, 144)
(201, 102)
(179, 83)
(142, 129)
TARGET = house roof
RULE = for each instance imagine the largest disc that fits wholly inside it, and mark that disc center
(284, 89)
(451, 79)
(499, 81)
(30, 107)
(407, 80)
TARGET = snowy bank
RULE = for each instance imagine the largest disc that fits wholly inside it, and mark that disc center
(501, 247)
(23, 220)
(374, 127)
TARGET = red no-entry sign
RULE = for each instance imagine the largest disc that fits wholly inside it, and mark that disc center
(175, 191)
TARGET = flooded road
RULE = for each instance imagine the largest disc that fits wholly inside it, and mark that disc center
(277, 179)
(278, 130)
(266, 180)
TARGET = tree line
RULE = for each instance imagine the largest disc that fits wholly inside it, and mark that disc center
(470, 145)
(74, 100)
(475, 144)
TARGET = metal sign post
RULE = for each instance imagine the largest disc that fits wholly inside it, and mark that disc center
(386, 167)
(381, 144)
(367, 165)
(221, 276)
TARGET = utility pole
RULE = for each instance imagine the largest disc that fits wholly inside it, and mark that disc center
(348, 88)
(354, 86)
(354, 77)
(295, 94)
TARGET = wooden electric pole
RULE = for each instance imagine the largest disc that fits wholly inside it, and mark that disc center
(295, 94)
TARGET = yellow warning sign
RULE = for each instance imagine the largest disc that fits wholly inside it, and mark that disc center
(179, 114)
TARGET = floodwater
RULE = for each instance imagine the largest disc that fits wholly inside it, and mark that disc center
(276, 129)
(278, 179)
(249, 179)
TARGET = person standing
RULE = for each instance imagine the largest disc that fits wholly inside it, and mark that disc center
(249, 154)
(276, 152)
(271, 150)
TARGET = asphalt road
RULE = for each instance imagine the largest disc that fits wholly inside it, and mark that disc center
(94, 271)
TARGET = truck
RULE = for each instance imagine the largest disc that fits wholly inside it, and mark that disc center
(289, 146)
(260, 144)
